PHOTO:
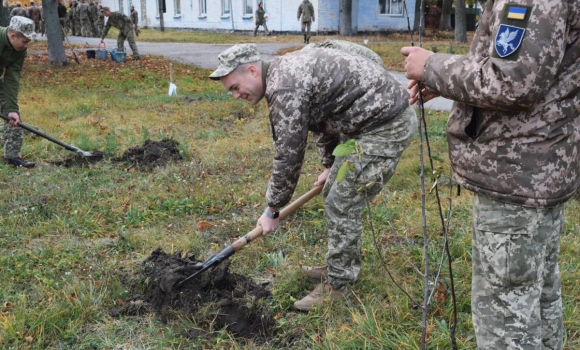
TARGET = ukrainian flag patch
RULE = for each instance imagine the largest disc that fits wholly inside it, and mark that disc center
(517, 12)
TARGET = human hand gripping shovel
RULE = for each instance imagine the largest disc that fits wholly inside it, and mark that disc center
(250, 236)
(93, 155)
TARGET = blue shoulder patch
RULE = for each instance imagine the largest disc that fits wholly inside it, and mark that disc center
(508, 39)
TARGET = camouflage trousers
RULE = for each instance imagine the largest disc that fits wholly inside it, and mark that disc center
(86, 28)
(11, 135)
(516, 297)
(343, 201)
(261, 24)
(306, 29)
(127, 34)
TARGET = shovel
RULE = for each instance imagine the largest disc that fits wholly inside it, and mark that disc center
(60, 143)
(172, 87)
(250, 236)
(71, 48)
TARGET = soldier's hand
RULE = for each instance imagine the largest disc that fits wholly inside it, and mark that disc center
(268, 224)
(416, 59)
(15, 118)
(414, 87)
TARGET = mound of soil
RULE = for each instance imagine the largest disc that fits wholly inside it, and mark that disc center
(79, 160)
(151, 154)
(226, 300)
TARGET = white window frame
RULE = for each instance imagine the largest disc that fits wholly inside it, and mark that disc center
(121, 9)
(391, 7)
(248, 6)
(202, 8)
(177, 8)
(226, 8)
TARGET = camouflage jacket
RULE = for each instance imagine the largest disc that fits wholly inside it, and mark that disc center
(306, 10)
(11, 62)
(119, 21)
(329, 92)
(18, 11)
(260, 16)
(93, 12)
(135, 17)
(513, 134)
(83, 11)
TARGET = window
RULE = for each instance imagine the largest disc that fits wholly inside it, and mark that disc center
(177, 7)
(391, 7)
(202, 7)
(121, 9)
(226, 7)
(248, 7)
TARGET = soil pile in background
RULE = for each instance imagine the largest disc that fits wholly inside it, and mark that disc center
(217, 297)
(151, 154)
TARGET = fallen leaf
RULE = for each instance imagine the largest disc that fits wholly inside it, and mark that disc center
(203, 225)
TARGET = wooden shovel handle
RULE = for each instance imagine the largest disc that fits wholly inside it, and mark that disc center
(289, 209)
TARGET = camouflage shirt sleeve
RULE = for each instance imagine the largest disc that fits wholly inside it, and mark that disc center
(517, 81)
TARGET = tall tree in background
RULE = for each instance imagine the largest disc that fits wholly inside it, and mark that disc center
(54, 34)
(460, 22)
(445, 23)
(418, 23)
(346, 18)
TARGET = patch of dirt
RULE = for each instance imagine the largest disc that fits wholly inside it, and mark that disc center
(146, 157)
(217, 298)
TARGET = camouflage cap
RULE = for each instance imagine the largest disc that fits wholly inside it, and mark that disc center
(231, 58)
(23, 25)
(105, 8)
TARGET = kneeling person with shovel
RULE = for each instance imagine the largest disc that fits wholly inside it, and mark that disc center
(125, 26)
(330, 93)
(14, 41)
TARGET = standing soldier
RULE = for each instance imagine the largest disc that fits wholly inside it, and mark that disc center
(93, 15)
(61, 10)
(13, 44)
(76, 20)
(86, 28)
(261, 19)
(35, 15)
(18, 11)
(135, 19)
(307, 11)
(100, 21)
(125, 26)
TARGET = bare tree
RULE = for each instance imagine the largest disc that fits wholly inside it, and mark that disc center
(445, 23)
(346, 18)
(460, 22)
(419, 17)
(54, 33)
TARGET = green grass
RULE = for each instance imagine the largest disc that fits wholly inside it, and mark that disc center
(72, 238)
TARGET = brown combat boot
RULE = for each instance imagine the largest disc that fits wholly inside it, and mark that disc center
(316, 274)
(323, 292)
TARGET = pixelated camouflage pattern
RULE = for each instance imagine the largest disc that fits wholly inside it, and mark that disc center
(344, 200)
(306, 10)
(11, 135)
(11, 63)
(350, 47)
(123, 23)
(522, 146)
(23, 25)
(516, 298)
(231, 58)
(329, 92)
(18, 11)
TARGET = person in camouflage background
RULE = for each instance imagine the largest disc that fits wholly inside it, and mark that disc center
(85, 18)
(100, 21)
(76, 19)
(135, 19)
(18, 11)
(125, 26)
(14, 41)
(306, 10)
(261, 19)
(513, 137)
(330, 93)
(93, 16)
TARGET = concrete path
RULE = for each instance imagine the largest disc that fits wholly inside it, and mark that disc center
(205, 56)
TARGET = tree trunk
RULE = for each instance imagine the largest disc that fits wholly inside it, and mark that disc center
(445, 23)
(460, 22)
(161, 8)
(346, 18)
(54, 34)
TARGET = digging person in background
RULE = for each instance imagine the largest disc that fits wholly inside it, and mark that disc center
(125, 26)
(306, 10)
(13, 44)
(330, 93)
(261, 19)
(513, 135)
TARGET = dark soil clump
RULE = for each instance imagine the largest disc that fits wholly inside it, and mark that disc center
(79, 160)
(152, 154)
(226, 300)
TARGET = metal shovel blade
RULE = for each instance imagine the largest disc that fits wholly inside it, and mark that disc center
(52, 139)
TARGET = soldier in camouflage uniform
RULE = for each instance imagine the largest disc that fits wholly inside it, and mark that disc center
(18, 11)
(86, 26)
(100, 21)
(261, 19)
(93, 16)
(135, 19)
(125, 26)
(330, 93)
(13, 44)
(306, 10)
(77, 20)
(514, 136)
(350, 47)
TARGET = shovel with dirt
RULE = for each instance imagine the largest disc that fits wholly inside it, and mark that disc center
(86, 154)
(249, 237)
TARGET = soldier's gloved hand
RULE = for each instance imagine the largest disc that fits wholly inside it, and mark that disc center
(15, 118)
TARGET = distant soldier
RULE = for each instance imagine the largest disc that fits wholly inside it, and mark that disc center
(125, 26)
(61, 10)
(76, 20)
(306, 10)
(100, 20)
(135, 19)
(69, 17)
(86, 27)
(93, 15)
(18, 11)
(261, 19)
(35, 15)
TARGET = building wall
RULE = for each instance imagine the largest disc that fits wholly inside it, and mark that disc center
(281, 15)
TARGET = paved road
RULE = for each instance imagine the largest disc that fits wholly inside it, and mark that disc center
(205, 56)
